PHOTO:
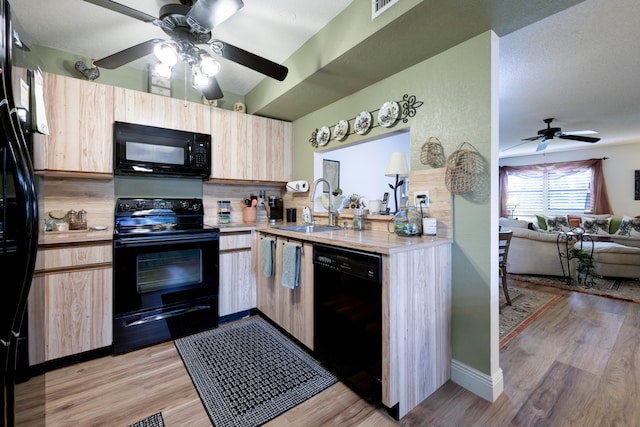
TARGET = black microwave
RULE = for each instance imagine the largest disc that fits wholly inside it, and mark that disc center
(154, 151)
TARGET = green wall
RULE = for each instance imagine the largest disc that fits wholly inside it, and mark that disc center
(456, 88)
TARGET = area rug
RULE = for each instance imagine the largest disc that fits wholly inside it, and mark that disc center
(247, 373)
(625, 290)
(154, 420)
(526, 306)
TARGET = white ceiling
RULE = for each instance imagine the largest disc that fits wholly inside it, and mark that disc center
(273, 29)
(580, 66)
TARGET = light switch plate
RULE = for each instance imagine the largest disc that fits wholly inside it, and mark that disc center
(417, 200)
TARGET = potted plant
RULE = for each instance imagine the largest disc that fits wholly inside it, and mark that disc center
(584, 260)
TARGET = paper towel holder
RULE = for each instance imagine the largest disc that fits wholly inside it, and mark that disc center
(300, 186)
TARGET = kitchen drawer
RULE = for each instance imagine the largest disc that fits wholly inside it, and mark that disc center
(236, 240)
(73, 256)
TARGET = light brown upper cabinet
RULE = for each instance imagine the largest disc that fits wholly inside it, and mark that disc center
(80, 117)
(251, 148)
(154, 110)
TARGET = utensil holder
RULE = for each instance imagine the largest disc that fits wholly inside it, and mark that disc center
(249, 214)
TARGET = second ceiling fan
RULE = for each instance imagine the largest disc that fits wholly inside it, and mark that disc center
(549, 133)
(189, 28)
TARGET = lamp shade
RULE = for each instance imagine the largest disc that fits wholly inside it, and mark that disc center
(397, 165)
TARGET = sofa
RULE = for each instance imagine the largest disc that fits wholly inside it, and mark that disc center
(616, 247)
(532, 251)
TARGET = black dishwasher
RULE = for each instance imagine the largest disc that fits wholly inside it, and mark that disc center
(348, 316)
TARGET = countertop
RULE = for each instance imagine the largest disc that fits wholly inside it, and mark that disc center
(381, 242)
(52, 238)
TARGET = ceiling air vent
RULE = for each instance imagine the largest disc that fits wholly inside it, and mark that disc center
(379, 6)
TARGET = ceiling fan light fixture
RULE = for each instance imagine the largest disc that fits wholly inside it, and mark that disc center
(200, 80)
(209, 66)
(162, 70)
(167, 53)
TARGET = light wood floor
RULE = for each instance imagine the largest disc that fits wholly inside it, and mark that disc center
(578, 364)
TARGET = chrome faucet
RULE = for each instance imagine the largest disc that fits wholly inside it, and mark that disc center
(313, 194)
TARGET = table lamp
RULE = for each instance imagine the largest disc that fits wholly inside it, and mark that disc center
(397, 167)
(512, 204)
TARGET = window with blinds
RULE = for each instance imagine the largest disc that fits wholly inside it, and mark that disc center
(551, 193)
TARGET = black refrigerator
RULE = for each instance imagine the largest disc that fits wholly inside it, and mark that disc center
(21, 114)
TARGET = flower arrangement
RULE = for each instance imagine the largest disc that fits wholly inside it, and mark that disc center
(355, 202)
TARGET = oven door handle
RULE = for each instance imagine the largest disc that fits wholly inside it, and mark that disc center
(146, 241)
(164, 315)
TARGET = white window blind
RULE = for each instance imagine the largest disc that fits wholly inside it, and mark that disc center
(550, 193)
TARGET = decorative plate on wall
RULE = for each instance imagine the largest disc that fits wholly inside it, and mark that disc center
(323, 136)
(362, 123)
(388, 113)
(341, 130)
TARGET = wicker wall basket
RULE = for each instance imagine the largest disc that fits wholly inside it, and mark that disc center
(461, 175)
(432, 153)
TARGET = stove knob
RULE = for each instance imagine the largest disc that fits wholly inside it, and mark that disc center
(195, 207)
(139, 204)
(184, 204)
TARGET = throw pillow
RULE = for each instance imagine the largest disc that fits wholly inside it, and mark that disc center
(542, 222)
(513, 223)
(557, 223)
(629, 227)
(615, 224)
(596, 225)
(574, 220)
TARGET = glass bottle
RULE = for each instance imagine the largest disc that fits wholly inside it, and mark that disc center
(358, 219)
(82, 220)
(72, 219)
(224, 211)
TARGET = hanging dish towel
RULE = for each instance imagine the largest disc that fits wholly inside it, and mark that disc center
(290, 265)
(267, 260)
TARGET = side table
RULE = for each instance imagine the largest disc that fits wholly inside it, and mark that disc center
(584, 258)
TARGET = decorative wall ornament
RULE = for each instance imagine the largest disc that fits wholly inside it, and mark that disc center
(390, 113)
(90, 73)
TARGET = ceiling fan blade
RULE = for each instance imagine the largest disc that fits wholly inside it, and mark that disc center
(207, 14)
(125, 10)
(125, 56)
(543, 144)
(249, 60)
(533, 138)
(212, 90)
(580, 132)
(579, 138)
(514, 146)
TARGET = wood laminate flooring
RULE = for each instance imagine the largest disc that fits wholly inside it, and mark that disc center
(578, 364)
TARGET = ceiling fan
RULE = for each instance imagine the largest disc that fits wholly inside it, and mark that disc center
(549, 133)
(189, 27)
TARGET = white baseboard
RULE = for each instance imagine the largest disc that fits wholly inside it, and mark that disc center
(487, 387)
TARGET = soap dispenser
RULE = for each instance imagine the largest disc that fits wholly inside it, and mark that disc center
(306, 216)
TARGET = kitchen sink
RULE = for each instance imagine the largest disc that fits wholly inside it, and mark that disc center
(308, 228)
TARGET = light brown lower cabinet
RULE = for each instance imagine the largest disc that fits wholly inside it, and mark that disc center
(70, 303)
(291, 309)
(237, 276)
